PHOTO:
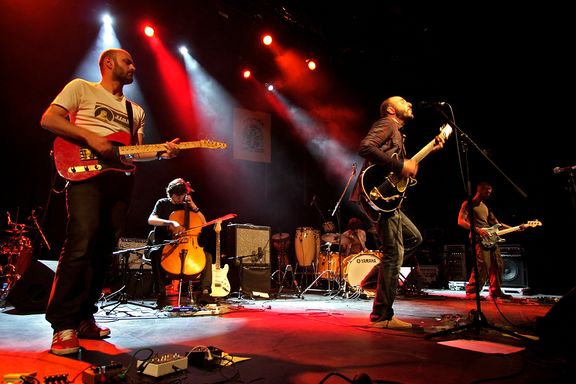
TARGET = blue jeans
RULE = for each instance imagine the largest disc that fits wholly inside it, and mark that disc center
(399, 238)
(97, 210)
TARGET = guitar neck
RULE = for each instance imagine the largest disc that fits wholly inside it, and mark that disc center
(217, 262)
(134, 149)
(445, 132)
(507, 230)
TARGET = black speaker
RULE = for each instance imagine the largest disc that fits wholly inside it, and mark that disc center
(31, 292)
(514, 274)
(454, 263)
(256, 278)
(556, 329)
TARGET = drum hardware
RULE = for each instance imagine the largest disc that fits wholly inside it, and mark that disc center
(281, 243)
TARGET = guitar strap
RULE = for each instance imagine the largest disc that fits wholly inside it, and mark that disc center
(131, 122)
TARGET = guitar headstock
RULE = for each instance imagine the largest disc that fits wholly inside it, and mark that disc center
(533, 223)
(207, 143)
(446, 131)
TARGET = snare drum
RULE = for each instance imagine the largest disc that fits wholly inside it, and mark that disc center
(329, 261)
(307, 245)
(359, 265)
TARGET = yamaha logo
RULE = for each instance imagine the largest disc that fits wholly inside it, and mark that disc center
(371, 260)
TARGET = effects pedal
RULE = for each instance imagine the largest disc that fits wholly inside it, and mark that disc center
(111, 373)
(161, 365)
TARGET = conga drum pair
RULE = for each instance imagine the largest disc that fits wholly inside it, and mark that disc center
(307, 245)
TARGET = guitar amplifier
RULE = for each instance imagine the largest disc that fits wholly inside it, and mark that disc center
(514, 273)
(134, 257)
(454, 264)
(249, 242)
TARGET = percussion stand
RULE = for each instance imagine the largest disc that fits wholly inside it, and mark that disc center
(123, 297)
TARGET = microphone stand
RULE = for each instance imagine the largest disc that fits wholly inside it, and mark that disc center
(337, 211)
(122, 295)
(479, 320)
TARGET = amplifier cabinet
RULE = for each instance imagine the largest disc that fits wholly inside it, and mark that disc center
(135, 257)
(249, 242)
(515, 273)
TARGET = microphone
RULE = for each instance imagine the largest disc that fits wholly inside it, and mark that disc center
(313, 200)
(563, 169)
(424, 104)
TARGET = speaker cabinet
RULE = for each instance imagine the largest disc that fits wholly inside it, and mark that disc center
(135, 257)
(249, 242)
(454, 263)
(250, 277)
(31, 292)
(515, 274)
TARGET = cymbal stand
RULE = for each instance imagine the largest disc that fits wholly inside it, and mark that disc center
(123, 297)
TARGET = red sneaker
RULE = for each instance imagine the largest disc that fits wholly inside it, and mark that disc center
(88, 329)
(65, 342)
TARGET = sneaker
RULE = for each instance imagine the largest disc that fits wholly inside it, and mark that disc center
(393, 323)
(88, 329)
(65, 342)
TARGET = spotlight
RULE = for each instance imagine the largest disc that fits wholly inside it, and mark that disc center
(269, 87)
(107, 19)
(267, 39)
(311, 63)
(149, 31)
(183, 50)
(246, 74)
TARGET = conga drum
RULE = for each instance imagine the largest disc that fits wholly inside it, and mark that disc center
(307, 245)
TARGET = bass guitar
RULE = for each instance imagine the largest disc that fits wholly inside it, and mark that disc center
(220, 284)
(384, 191)
(75, 162)
(494, 233)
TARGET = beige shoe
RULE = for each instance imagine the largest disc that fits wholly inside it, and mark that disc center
(394, 323)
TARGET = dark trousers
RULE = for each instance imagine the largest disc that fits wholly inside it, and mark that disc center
(399, 238)
(97, 210)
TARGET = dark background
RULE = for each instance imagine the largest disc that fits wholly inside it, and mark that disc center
(506, 71)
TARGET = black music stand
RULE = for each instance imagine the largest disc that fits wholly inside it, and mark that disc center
(479, 320)
(123, 297)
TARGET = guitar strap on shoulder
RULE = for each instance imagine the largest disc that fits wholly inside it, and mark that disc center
(131, 122)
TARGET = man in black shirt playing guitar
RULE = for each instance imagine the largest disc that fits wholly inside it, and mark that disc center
(383, 151)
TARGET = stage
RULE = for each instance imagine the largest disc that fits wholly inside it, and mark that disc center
(318, 337)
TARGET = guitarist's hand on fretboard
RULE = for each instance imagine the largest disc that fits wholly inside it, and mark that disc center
(410, 168)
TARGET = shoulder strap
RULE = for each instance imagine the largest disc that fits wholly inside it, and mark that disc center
(131, 121)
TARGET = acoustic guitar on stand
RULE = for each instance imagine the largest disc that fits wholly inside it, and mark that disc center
(75, 162)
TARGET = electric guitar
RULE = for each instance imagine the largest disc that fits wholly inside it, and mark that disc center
(494, 233)
(384, 191)
(75, 162)
(220, 284)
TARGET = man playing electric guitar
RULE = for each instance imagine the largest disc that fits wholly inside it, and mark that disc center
(489, 260)
(384, 145)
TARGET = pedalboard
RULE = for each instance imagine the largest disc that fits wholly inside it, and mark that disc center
(161, 365)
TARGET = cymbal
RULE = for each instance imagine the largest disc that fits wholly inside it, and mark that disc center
(280, 236)
(330, 237)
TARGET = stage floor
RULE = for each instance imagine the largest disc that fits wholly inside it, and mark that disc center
(317, 337)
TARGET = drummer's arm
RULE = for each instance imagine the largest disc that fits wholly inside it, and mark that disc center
(362, 237)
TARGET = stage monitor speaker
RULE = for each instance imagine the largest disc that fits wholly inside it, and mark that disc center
(31, 292)
(256, 278)
(514, 274)
(454, 263)
(556, 329)
(250, 242)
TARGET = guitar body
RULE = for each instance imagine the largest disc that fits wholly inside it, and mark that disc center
(220, 284)
(382, 190)
(76, 162)
(493, 238)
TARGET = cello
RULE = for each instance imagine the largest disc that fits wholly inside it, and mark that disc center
(185, 257)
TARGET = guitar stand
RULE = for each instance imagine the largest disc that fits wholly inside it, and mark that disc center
(123, 297)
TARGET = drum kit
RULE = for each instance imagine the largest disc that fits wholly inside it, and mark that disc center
(15, 256)
(317, 253)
